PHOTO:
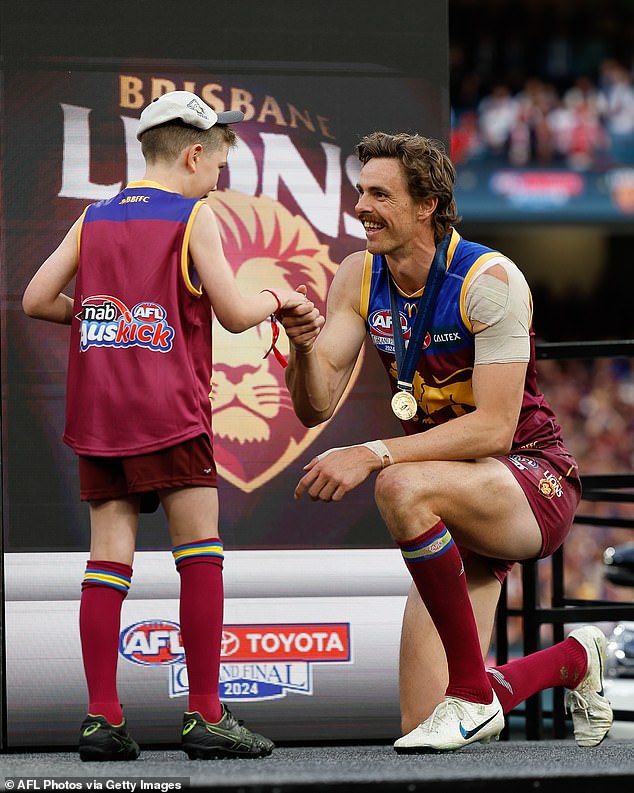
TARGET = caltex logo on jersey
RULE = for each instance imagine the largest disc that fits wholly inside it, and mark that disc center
(152, 642)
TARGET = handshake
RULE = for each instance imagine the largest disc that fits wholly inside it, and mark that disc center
(301, 319)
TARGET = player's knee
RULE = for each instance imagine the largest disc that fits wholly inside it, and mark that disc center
(394, 490)
(384, 488)
(405, 498)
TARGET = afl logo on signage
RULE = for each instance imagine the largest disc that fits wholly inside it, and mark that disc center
(381, 323)
(152, 642)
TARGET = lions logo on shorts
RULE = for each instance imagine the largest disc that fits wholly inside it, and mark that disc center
(549, 485)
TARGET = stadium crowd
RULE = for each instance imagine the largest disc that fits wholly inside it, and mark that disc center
(594, 402)
(550, 83)
(542, 82)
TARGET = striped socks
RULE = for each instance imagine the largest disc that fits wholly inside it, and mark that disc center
(103, 591)
(198, 551)
(199, 565)
(435, 565)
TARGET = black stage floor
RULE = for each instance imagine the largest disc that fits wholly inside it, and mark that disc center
(514, 766)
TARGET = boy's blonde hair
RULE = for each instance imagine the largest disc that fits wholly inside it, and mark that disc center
(166, 141)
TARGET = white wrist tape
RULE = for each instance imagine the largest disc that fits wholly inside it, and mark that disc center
(377, 447)
(334, 449)
(381, 451)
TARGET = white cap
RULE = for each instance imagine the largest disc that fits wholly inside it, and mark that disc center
(187, 107)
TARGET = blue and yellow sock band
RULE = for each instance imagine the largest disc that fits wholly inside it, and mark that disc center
(212, 547)
(107, 578)
(428, 549)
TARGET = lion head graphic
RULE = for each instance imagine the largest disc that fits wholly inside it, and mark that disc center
(256, 432)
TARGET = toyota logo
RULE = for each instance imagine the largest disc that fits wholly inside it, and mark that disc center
(230, 643)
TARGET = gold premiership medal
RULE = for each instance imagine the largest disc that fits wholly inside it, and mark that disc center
(404, 405)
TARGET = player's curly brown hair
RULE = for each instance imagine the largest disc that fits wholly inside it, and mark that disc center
(428, 170)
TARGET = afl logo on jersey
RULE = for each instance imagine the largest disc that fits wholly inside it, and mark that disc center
(381, 323)
(150, 312)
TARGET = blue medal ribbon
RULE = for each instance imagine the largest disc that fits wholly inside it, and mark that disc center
(407, 359)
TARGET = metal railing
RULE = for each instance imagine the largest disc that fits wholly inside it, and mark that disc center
(609, 488)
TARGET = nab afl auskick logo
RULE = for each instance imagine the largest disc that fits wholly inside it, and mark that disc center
(106, 321)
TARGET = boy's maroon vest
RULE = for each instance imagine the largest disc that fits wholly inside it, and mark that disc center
(140, 353)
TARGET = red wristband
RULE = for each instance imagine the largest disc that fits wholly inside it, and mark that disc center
(273, 348)
(276, 332)
(279, 303)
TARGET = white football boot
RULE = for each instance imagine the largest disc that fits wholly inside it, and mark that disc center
(453, 724)
(591, 712)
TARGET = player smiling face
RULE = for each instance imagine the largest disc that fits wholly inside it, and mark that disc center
(385, 207)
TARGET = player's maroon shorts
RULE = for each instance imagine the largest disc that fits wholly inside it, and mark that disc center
(550, 481)
(187, 464)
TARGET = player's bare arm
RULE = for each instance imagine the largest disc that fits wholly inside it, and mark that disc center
(302, 323)
(501, 355)
(235, 311)
(318, 375)
(44, 297)
(486, 432)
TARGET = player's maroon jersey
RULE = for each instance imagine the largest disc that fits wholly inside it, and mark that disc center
(140, 353)
(442, 382)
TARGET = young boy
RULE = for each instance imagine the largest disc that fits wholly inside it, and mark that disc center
(150, 268)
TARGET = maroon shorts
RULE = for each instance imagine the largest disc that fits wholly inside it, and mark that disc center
(187, 464)
(550, 481)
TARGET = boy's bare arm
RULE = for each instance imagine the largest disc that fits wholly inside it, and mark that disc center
(44, 297)
(235, 311)
(318, 373)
